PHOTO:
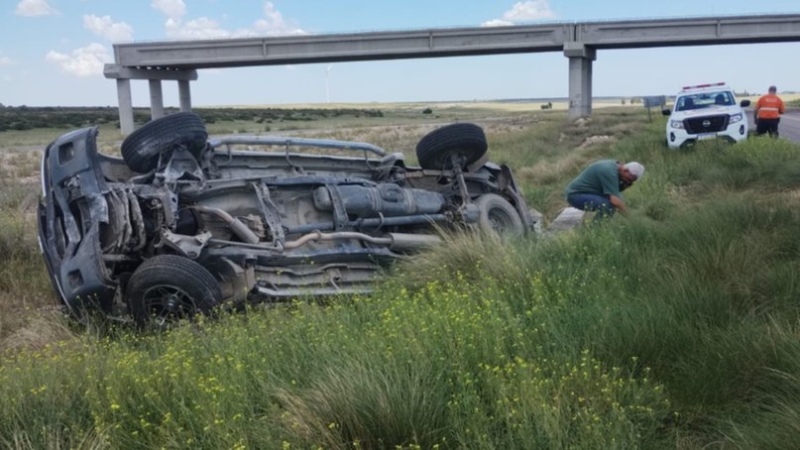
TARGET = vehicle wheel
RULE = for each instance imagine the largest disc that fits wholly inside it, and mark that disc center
(169, 287)
(465, 139)
(498, 216)
(141, 149)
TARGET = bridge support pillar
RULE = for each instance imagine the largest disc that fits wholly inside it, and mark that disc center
(580, 79)
(125, 106)
(156, 99)
(154, 77)
(185, 95)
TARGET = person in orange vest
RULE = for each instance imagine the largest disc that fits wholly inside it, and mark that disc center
(768, 112)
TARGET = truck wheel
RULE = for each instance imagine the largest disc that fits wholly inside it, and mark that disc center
(166, 288)
(141, 149)
(498, 216)
(464, 139)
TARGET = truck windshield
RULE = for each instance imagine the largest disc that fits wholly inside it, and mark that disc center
(704, 100)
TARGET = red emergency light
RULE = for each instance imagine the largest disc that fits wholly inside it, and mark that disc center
(700, 86)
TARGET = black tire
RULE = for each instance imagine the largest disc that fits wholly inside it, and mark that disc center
(141, 149)
(465, 139)
(498, 216)
(168, 287)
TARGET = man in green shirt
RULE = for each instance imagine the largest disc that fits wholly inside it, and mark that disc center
(598, 187)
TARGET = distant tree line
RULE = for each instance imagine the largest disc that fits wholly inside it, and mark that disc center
(269, 115)
(29, 117)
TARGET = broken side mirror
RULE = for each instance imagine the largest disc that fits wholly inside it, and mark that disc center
(745, 103)
(666, 111)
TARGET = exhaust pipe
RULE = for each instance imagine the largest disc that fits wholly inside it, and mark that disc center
(395, 241)
(406, 241)
(238, 228)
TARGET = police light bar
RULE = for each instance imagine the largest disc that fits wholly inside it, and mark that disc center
(700, 86)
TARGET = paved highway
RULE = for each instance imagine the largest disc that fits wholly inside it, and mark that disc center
(790, 126)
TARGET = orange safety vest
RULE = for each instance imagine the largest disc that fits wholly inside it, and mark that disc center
(769, 106)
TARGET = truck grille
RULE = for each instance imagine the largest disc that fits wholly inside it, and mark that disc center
(708, 124)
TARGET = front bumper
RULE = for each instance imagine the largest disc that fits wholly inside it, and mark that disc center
(679, 138)
(71, 213)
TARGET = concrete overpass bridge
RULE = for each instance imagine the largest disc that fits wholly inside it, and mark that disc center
(579, 41)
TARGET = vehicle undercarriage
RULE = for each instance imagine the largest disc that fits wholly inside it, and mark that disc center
(181, 224)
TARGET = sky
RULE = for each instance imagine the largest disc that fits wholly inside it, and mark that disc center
(52, 52)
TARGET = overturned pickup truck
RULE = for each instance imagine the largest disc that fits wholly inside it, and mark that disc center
(181, 224)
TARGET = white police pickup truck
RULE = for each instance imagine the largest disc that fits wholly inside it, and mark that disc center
(706, 111)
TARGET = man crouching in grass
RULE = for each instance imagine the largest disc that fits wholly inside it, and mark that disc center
(598, 187)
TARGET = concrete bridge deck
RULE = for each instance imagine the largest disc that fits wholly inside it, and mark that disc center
(579, 41)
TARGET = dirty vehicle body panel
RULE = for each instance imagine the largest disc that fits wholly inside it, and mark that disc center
(267, 221)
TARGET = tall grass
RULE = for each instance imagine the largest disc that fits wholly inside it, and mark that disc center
(440, 367)
(24, 285)
(675, 328)
(546, 155)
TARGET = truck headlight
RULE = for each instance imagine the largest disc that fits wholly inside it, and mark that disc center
(676, 124)
(736, 118)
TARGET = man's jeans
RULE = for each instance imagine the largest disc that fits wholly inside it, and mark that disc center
(770, 126)
(592, 202)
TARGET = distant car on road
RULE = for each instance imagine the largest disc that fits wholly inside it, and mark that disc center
(706, 111)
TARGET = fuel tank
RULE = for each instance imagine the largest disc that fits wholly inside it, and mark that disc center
(385, 199)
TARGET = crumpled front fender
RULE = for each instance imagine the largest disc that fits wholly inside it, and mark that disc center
(71, 212)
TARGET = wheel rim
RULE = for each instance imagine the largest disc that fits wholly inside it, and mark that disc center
(165, 302)
(500, 220)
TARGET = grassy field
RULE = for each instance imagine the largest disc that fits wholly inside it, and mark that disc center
(674, 329)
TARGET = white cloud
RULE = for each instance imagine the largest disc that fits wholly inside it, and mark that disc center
(497, 23)
(5, 61)
(83, 62)
(173, 9)
(530, 10)
(273, 24)
(522, 12)
(32, 8)
(107, 28)
(202, 28)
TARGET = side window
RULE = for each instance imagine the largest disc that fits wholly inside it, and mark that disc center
(723, 99)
